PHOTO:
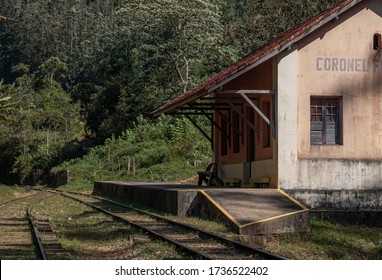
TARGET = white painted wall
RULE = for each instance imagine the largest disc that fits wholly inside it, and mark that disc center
(339, 174)
(356, 165)
(231, 171)
(265, 169)
(287, 119)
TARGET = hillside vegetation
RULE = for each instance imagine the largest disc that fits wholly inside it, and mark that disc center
(76, 74)
(168, 149)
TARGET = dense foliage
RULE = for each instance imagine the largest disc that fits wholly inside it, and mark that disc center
(166, 150)
(39, 130)
(98, 65)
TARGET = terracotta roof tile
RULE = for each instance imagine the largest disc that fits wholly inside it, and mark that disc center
(274, 45)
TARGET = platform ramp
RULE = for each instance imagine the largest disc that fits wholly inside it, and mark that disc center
(255, 211)
(247, 211)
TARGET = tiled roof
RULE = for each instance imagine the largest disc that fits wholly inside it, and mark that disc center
(267, 51)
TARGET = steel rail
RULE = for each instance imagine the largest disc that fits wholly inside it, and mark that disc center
(237, 245)
(16, 199)
(35, 232)
(149, 231)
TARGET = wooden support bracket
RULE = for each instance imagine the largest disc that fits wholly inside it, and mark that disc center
(249, 101)
(199, 128)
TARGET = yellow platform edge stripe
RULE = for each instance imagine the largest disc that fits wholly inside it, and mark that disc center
(275, 217)
(293, 199)
(221, 209)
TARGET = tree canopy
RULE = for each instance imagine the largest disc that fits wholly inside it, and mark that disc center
(77, 69)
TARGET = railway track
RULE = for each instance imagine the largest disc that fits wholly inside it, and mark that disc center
(25, 237)
(199, 243)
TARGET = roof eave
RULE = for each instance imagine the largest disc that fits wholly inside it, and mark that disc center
(164, 109)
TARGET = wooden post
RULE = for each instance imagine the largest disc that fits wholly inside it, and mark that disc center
(134, 166)
(128, 165)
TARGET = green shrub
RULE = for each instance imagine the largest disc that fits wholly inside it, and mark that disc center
(152, 156)
(163, 150)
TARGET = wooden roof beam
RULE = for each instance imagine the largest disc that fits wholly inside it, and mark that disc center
(247, 91)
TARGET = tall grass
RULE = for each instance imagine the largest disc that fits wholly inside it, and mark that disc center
(12, 192)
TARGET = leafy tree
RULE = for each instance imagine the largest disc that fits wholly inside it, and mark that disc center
(250, 24)
(34, 135)
(50, 68)
(73, 30)
(7, 103)
(118, 59)
(181, 35)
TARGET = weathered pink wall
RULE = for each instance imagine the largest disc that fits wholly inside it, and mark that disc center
(338, 61)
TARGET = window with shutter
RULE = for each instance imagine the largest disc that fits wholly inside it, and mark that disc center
(325, 121)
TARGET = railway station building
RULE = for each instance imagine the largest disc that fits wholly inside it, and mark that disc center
(302, 113)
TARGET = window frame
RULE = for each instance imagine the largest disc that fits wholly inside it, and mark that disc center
(336, 118)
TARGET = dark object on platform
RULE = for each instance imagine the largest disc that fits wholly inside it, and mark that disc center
(210, 176)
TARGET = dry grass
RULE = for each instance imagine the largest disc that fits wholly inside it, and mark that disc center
(12, 192)
(331, 240)
(95, 236)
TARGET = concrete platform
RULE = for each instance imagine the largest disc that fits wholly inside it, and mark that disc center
(262, 211)
(247, 211)
(170, 198)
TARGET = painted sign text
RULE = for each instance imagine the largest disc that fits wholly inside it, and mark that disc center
(335, 64)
